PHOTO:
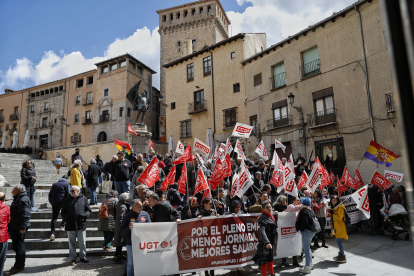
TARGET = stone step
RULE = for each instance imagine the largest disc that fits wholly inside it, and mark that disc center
(47, 214)
(45, 223)
(62, 243)
(62, 253)
(44, 233)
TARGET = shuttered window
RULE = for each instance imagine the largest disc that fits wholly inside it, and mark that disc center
(279, 76)
(310, 62)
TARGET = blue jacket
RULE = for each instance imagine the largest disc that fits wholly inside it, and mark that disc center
(139, 218)
(59, 192)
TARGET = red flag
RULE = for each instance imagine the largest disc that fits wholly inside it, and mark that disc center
(169, 180)
(130, 129)
(201, 183)
(324, 179)
(150, 145)
(302, 181)
(332, 176)
(341, 187)
(379, 180)
(182, 182)
(187, 156)
(277, 175)
(217, 175)
(151, 174)
(319, 164)
(358, 179)
(207, 193)
(227, 166)
(348, 180)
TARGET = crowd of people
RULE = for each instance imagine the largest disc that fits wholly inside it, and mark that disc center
(130, 202)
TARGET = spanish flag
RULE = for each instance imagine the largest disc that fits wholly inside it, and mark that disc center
(119, 145)
(379, 154)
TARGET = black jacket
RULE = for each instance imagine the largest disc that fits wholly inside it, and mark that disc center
(221, 205)
(20, 212)
(107, 169)
(164, 212)
(59, 192)
(304, 220)
(279, 207)
(94, 172)
(26, 175)
(125, 231)
(121, 170)
(100, 163)
(195, 211)
(75, 211)
(175, 197)
(267, 229)
(76, 156)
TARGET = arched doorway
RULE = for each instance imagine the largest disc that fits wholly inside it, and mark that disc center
(102, 136)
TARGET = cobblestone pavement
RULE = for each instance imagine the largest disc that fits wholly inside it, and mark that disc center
(366, 255)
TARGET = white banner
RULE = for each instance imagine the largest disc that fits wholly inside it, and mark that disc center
(203, 148)
(242, 130)
(261, 151)
(180, 148)
(210, 243)
(279, 145)
(393, 175)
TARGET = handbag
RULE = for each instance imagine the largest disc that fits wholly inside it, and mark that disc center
(106, 187)
(316, 227)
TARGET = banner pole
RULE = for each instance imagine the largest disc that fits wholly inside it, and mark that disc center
(360, 162)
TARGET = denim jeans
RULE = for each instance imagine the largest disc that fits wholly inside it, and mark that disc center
(133, 194)
(3, 254)
(130, 261)
(307, 236)
(92, 191)
(340, 246)
(122, 187)
(100, 179)
(30, 193)
(81, 236)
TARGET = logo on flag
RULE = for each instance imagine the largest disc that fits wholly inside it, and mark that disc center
(187, 156)
(169, 180)
(229, 147)
(312, 182)
(242, 130)
(235, 185)
(380, 181)
(201, 146)
(216, 175)
(279, 145)
(180, 148)
(393, 175)
(261, 151)
(182, 181)
(132, 130)
(151, 174)
(150, 144)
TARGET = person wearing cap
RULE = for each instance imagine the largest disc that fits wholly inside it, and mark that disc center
(121, 170)
(126, 154)
(77, 156)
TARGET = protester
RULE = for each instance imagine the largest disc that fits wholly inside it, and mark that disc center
(94, 174)
(58, 163)
(192, 172)
(160, 162)
(193, 211)
(150, 156)
(77, 156)
(121, 170)
(338, 227)
(126, 154)
(40, 152)
(122, 208)
(175, 198)
(75, 176)
(321, 216)
(107, 170)
(20, 214)
(100, 164)
(162, 211)
(374, 207)
(280, 204)
(134, 182)
(28, 179)
(162, 177)
(133, 156)
(172, 155)
(168, 166)
(207, 212)
(139, 163)
(145, 157)
(58, 193)
(220, 202)
(257, 184)
(4, 236)
(267, 239)
(304, 224)
(395, 197)
(107, 223)
(142, 192)
(137, 215)
(76, 211)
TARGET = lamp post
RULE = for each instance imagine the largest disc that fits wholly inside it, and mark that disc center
(291, 99)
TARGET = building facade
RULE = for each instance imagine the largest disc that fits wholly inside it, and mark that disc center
(340, 101)
(186, 29)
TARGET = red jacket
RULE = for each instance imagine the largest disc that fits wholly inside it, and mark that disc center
(315, 206)
(4, 220)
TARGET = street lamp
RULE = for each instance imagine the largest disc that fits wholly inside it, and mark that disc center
(291, 98)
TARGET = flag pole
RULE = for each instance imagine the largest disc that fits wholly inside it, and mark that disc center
(360, 162)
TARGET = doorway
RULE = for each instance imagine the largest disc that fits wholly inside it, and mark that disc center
(43, 140)
(331, 153)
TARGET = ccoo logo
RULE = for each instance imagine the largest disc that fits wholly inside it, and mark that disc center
(288, 230)
(241, 129)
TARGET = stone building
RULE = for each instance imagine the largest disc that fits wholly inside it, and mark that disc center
(186, 29)
(206, 89)
(340, 101)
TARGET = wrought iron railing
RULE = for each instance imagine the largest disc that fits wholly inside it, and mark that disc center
(104, 118)
(86, 121)
(1, 119)
(14, 116)
(197, 106)
(75, 139)
(279, 122)
(277, 81)
(87, 101)
(11, 131)
(322, 118)
(310, 69)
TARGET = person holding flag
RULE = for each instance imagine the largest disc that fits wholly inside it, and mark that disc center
(338, 227)
(192, 173)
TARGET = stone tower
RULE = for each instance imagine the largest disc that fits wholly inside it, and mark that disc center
(188, 28)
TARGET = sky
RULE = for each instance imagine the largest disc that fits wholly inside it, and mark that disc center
(44, 41)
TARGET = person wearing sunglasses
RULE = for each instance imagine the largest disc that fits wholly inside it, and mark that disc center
(267, 239)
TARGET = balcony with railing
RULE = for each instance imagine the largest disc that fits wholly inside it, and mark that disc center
(279, 122)
(104, 118)
(12, 130)
(87, 121)
(14, 117)
(310, 69)
(277, 81)
(75, 139)
(87, 101)
(1, 119)
(323, 118)
(389, 102)
(197, 106)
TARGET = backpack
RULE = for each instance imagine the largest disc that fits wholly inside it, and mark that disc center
(347, 218)
(103, 210)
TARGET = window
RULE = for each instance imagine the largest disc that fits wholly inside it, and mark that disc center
(209, 9)
(88, 117)
(15, 126)
(114, 67)
(55, 121)
(236, 87)
(2, 112)
(207, 66)
(185, 13)
(178, 15)
(123, 64)
(201, 10)
(129, 112)
(233, 55)
(46, 106)
(185, 129)
(7, 127)
(280, 113)
(104, 70)
(104, 116)
(190, 72)
(164, 18)
(172, 105)
(121, 112)
(258, 79)
(44, 122)
(77, 99)
(230, 117)
(76, 136)
(102, 137)
(90, 80)
(253, 122)
(279, 77)
(88, 98)
(106, 92)
(193, 12)
(32, 109)
(310, 63)
(324, 105)
(131, 65)
(16, 110)
(76, 121)
(179, 46)
(194, 43)
(1, 129)
(171, 17)
(79, 83)
(198, 100)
